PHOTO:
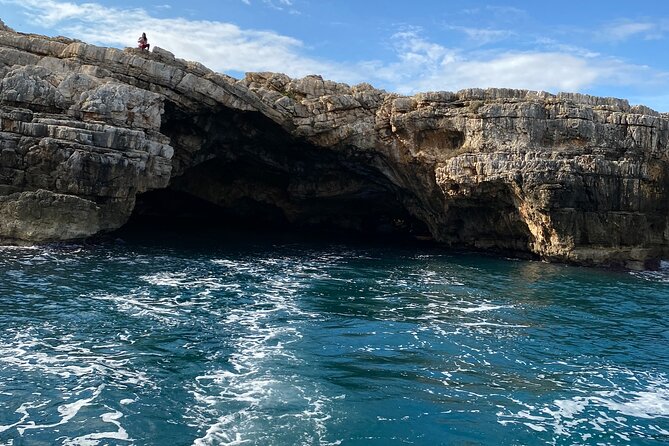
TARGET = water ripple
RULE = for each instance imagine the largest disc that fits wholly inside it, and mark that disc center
(282, 343)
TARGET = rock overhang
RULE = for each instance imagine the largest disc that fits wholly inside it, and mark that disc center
(565, 177)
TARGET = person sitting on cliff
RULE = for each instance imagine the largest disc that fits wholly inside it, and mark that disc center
(143, 43)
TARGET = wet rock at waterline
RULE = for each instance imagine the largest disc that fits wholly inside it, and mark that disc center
(89, 135)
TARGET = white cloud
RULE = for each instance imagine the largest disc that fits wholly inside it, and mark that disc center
(424, 66)
(483, 36)
(221, 46)
(621, 31)
(536, 71)
(282, 5)
(276, 4)
(552, 45)
(503, 11)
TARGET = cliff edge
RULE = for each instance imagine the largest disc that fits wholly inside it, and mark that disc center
(89, 135)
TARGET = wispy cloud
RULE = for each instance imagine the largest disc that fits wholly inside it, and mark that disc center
(279, 5)
(482, 36)
(624, 30)
(500, 10)
(552, 45)
(424, 65)
(221, 46)
(496, 14)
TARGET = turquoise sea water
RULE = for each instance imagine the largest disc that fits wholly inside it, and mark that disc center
(284, 342)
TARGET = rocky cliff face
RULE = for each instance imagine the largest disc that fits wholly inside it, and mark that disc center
(89, 135)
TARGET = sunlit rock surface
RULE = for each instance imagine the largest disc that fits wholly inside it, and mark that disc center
(89, 135)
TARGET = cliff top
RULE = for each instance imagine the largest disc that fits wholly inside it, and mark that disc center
(86, 130)
(308, 88)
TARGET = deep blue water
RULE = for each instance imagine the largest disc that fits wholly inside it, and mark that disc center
(284, 342)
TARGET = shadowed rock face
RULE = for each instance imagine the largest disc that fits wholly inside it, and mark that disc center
(89, 135)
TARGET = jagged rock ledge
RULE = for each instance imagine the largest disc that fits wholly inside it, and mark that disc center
(91, 135)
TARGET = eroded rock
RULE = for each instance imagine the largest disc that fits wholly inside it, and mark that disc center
(85, 130)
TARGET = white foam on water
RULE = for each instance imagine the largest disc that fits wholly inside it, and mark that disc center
(142, 305)
(254, 401)
(172, 298)
(27, 353)
(167, 279)
(23, 411)
(659, 430)
(67, 412)
(184, 280)
(535, 427)
(483, 308)
(10, 248)
(492, 325)
(661, 275)
(650, 404)
(94, 439)
(598, 410)
(225, 262)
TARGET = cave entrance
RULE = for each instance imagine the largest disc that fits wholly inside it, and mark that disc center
(244, 195)
(240, 170)
(487, 219)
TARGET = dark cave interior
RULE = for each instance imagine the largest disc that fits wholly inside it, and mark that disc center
(236, 169)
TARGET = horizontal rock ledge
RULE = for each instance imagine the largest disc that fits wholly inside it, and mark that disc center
(90, 136)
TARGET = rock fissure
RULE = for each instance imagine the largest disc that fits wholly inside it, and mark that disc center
(91, 136)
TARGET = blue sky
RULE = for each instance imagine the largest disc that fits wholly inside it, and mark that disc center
(606, 48)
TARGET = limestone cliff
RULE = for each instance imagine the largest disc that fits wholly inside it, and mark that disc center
(87, 132)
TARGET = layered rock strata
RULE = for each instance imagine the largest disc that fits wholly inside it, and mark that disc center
(86, 132)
